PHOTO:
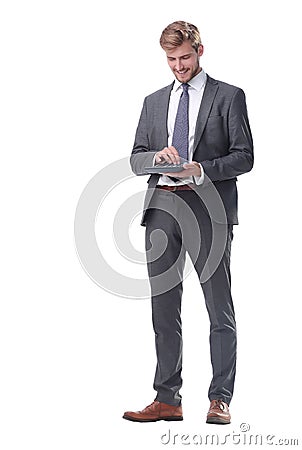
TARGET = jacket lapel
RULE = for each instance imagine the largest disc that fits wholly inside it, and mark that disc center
(162, 116)
(205, 108)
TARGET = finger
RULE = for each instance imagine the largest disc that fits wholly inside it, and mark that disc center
(174, 159)
(159, 155)
(162, 156)
(172, 149)
(167, 158)
(174, 155)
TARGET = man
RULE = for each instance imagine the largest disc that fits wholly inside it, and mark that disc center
(205, 122)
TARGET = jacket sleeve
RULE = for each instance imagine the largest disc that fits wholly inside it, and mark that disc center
(240, 157)
(142, 156)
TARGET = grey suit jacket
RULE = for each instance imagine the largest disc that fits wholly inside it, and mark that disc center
(222, 143)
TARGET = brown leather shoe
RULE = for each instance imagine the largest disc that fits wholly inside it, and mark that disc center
(219, 413)
(154, 412)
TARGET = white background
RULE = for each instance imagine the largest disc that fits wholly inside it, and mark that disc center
(74, 357)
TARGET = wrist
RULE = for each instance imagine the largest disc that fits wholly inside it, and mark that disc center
(198, 169)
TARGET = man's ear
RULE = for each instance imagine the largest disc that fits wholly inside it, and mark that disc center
(200, 50)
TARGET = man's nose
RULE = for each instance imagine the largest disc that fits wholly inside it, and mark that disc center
(179, 65)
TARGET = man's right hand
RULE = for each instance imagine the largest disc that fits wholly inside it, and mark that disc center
(168, 154)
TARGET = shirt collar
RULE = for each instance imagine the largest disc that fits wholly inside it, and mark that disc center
(196, 83)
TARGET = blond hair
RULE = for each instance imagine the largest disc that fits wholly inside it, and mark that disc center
(178, 32)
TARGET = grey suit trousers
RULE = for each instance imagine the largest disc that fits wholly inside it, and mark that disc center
(169, 236)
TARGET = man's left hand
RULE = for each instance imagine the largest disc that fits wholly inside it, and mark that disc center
(190, 170)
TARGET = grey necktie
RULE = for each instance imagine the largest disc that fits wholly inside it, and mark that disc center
(180, 139)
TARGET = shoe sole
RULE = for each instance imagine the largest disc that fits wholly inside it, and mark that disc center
(217, 421)
(168, 419)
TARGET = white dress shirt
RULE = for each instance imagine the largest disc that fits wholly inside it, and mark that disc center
(196, 90)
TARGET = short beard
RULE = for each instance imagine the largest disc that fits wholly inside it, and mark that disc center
(198, 69)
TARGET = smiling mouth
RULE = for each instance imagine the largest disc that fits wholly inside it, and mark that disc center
(181, 72)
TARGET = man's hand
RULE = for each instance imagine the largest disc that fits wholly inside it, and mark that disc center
(168, 154)
(190, 170)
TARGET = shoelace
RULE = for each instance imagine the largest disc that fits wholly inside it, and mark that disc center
(148, 407)
(219, 404)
